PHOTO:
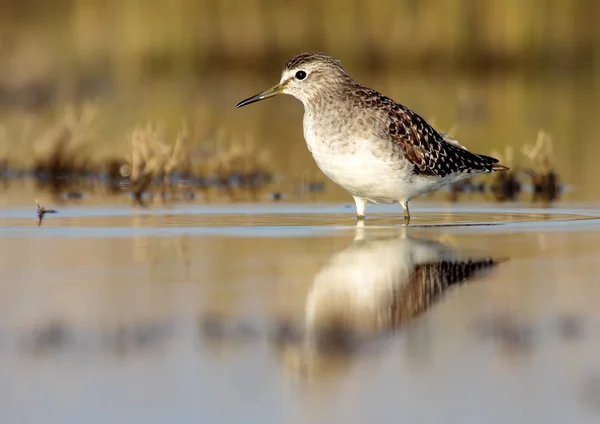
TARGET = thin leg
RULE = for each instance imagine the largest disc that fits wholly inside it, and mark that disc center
(360, 230)
(360, 207)
(406, 212)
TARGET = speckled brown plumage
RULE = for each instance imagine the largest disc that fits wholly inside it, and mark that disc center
(380, 283)
(376, 149)
(423, 146)
(311, 57)
(428, 282)
(427, 149)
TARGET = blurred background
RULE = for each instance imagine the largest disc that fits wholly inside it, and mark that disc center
(112, 314)
(491, 73)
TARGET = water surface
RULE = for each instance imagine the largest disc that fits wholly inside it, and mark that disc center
(292, 313)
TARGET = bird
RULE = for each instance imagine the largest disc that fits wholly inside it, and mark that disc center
(381, 282)
(378, 285)
(378, 150)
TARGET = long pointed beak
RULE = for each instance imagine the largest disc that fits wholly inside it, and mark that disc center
(273, 91)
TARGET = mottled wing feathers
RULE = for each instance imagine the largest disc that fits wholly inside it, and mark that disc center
(430, 152)
(429, 281)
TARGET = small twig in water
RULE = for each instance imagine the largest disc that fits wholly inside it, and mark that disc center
(41, 211)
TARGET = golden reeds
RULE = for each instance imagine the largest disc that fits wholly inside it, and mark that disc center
(151, 157)
(234, 166)
(542, 168)
(506, 186)
(60, 156)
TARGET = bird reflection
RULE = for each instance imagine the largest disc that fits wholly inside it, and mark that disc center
(374, 286)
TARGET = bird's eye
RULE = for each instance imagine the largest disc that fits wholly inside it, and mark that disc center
(300, 75)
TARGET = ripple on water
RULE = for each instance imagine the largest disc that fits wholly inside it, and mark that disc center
(280, 220)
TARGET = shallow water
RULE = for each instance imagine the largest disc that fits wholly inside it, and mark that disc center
(291, 313)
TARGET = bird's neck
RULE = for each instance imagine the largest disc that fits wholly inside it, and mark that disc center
(330, 100)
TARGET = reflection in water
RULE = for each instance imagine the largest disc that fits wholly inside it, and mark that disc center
(372, 287)
(56, 337)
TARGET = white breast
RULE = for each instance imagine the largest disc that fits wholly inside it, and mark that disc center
(358, 165)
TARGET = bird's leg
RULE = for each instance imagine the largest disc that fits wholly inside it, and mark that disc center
(360, 230)
(360, 208)
(406, 212)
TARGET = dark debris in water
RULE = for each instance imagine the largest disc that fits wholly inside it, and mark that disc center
(516, 335)
(506, 332)
(286, 332)
(570, 327)
(42, 211)
(217, 328)
(56, 336)
(49, 337)
(141, 336)
(328, 339)
(212, 327)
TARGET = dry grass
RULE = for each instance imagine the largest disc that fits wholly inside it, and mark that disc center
(60, 153)
(242, 166)
(63, 157)
(216, 163)
(152, 157)
(506, 186)
(223, 164)
(539, 165)
(542, 168)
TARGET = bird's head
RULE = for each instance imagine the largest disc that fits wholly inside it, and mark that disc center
(305, 77)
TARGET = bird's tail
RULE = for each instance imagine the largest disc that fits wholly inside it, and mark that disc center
(494, 162)
(499, 167)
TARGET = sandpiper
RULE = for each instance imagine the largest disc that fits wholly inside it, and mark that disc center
(376, 149)
(378, 284)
